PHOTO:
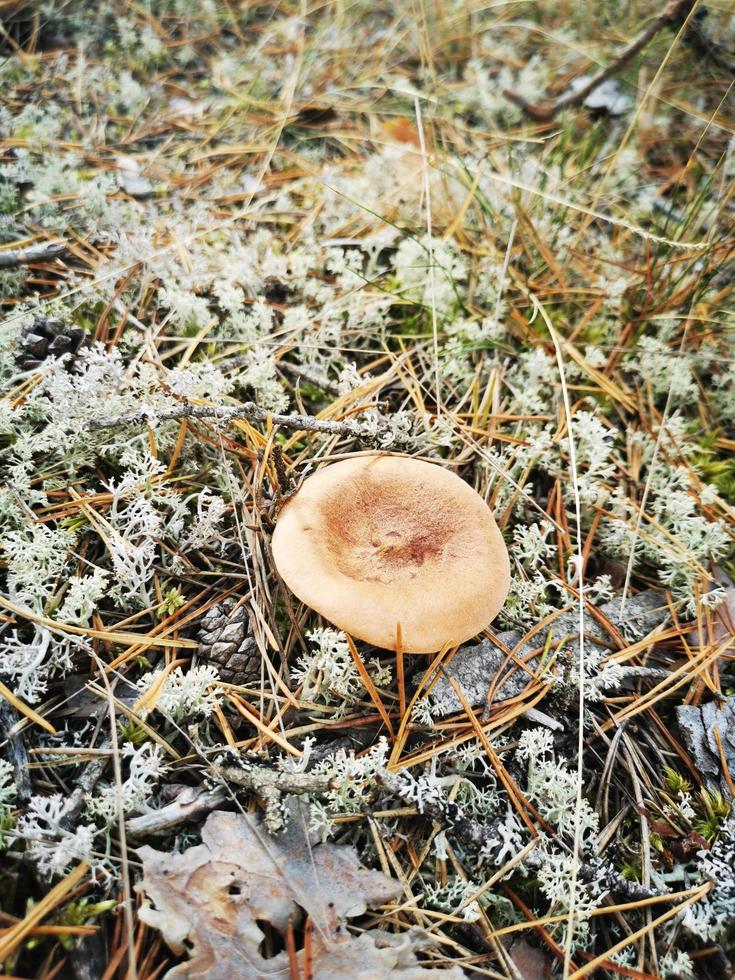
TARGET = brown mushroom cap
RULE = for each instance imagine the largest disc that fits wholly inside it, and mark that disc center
(374, 541)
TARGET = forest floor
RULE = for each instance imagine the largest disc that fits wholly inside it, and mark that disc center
(225, 224)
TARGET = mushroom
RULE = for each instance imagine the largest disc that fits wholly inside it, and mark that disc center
(376, 541)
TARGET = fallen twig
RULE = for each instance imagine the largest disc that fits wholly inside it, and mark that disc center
(269, 784)
(247, 410)
(192, 803)
(14, 257)
(674, 11)
(308, 374)
(254, 775)
(88, 779)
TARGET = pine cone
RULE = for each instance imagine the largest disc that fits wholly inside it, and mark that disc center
(47, 337)
(225, 640)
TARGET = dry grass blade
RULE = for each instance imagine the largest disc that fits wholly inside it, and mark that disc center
(111, 636)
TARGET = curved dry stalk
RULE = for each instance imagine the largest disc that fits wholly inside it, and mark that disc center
(672, 13)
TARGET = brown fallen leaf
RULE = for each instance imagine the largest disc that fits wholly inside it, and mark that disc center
(209, 901)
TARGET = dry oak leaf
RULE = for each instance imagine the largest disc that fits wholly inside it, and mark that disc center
(209, 899)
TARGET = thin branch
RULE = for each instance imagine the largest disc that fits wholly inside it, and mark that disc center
(247, 410)
(14, 257)
(250, 773)
(672, 13)
(269, 785)
(193, 803)
(308, 374)
(86, 783)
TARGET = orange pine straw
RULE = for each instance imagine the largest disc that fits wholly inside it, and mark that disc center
(115, 960)
(400, 675)
(627, 940)
(293, 962)
(510, 787)
(17, 933)
(640, 903)
(225, 726)
(248, 712)
(148, 701)
(403, 727)
(512, 709)
(723, 761)
(111, 636)
(177, 448)
(664, 688)
(51, 974)
(25, 710)
(152, 442)
(369, 686)
(675, 746)
(537, 926)
(628, 652)
(308, 949)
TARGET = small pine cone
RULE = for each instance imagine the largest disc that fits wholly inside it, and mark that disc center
(225, 640)
(48, 337)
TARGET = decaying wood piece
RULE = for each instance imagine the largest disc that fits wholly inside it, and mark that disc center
(13, 257)
(191, 804)
(14, 749)
(269, 785)
(708, 732)
(88, 779)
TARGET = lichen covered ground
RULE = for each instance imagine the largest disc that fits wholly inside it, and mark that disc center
(292, 232)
